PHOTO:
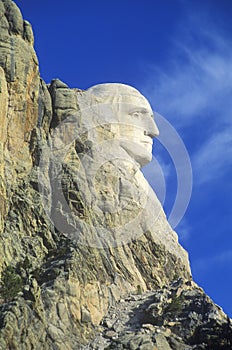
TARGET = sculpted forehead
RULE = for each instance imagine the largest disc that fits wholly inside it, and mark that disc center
(113, 88)
(117, 93)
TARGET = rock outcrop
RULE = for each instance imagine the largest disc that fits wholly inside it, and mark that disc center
(55, 290)
(177, 317)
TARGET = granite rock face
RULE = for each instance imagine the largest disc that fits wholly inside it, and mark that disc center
(59, 281)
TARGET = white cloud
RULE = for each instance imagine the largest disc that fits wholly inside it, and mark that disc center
(194, 91)
(202, 265)
(201, 81)
(214, 158)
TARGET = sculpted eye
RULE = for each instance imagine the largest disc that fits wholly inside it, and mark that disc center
(136, 114)
(140, 112)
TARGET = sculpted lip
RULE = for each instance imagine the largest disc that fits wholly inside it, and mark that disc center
(147, 141)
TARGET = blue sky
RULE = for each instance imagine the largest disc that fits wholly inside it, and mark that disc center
(178, 53)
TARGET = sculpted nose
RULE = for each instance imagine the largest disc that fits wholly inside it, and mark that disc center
(152, 129)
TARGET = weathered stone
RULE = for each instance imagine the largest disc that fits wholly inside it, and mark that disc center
(161, 342)
(176, 327)
(28, 33)
(85, 315)
(57, 161)
(14, 17)
(64, 101)
(111, 334)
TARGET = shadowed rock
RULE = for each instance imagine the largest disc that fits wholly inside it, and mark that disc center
(80, 228)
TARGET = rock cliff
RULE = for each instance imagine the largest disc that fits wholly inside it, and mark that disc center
(60, 283)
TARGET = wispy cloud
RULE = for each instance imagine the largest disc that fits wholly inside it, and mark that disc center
(197, 79)
(202, 265)
(214, 158)
(194, 92)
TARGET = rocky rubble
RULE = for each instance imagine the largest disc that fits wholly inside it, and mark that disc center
(177, 317)
(54, 292)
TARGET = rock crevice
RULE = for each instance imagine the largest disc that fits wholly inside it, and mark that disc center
(60, 287)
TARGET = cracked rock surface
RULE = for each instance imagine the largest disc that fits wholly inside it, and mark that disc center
(55, 293)
(177, 317)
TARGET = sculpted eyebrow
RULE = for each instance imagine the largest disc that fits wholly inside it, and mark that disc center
(142, 110)
(139, 109)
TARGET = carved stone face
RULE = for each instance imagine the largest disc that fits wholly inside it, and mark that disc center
(137, 128)
(129, 115)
